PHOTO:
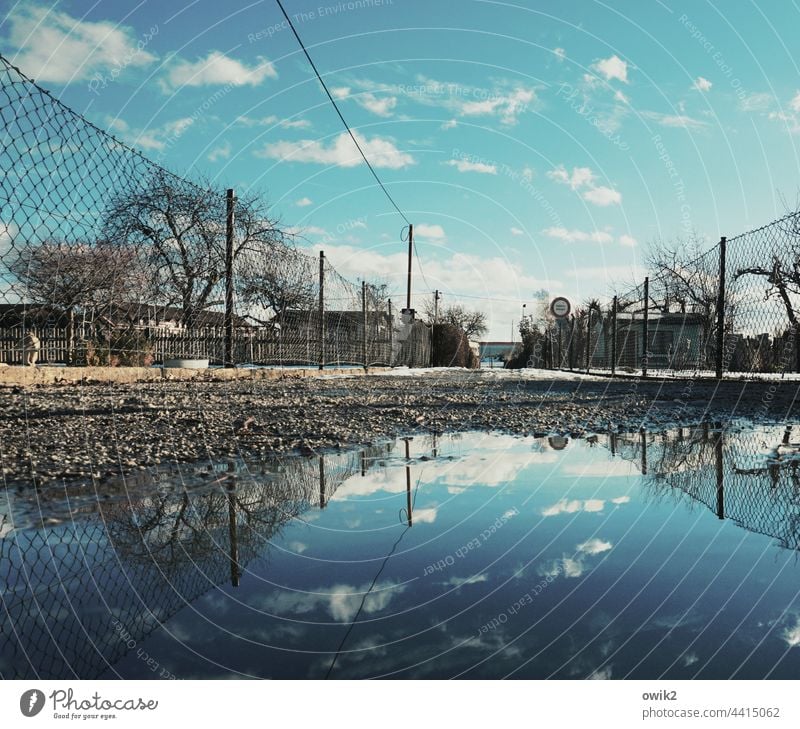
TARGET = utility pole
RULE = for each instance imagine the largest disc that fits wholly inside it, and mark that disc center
(229, 222)
(410, 255)
(436, 298)
(321, 313)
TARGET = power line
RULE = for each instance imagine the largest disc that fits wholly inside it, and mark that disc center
(336, 106)
(466, 296)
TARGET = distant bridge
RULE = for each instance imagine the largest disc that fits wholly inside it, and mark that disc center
(496, 349)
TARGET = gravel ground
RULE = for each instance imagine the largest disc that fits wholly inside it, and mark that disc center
(90, 432)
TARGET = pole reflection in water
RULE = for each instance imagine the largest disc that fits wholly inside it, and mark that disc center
(328, 583)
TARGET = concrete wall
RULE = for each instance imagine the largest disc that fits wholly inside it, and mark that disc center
(26, 376)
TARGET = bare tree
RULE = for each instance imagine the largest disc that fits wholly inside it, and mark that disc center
(685, 280)
(781, 271)
(471, 322)
(82, 277)
(273, 279)
(178, 230)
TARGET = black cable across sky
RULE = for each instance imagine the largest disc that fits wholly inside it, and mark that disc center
(338, 111)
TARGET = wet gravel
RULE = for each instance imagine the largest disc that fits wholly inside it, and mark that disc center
(90, 433)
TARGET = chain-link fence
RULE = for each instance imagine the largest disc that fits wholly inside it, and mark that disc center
(106, 258)
(732, 309)
(80, 592)
(749, 477)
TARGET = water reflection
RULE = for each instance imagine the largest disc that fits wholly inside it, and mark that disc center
(480, 555)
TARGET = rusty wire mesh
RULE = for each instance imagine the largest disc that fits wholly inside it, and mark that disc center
(108, 258)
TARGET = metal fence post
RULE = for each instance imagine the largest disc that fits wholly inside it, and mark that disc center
(391, 336)
(364, 322)
(321, 314)
(571, 345)
(645, 346)
(614, 336)
(228, 354)
(588, 336)
(721, 308)
(560, 357)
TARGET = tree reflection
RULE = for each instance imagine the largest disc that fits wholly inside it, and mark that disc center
(77, 596)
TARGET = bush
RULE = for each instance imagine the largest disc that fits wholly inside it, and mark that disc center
(450, 347)
(122, 348)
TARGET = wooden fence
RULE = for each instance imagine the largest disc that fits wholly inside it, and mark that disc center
(250, 346)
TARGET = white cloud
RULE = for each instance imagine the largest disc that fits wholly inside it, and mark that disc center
(153, 138)
(601, 469)
(579, 176)
(8, 231)
(341, 602)
(217, 69)
(594, 546)
(459, 581)
(431, 232)
(795, 102)
(612, 68)
(792, 635)
(272, 121)
(304, 202)
(506, 105)
(674, 120)
(295, 124)
(574, 566)
(702, 84)
(382, 106)
(527, 173)
(758, 101)
(451, 124)
(55, 47)
(621, 500)
(573, 506)
(560, 53)
(464, 165)
(305, 230)
(424, 516)
(517, 231)
(341, 152)
(602, 196)
(574, 235)
(628, 241)
(790, 120)
(488, 274)
(223, 151)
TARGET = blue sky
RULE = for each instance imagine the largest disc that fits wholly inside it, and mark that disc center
(533, 144)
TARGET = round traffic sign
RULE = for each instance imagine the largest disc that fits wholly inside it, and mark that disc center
(560, 307)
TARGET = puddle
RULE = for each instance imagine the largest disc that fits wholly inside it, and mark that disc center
(474, 555)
